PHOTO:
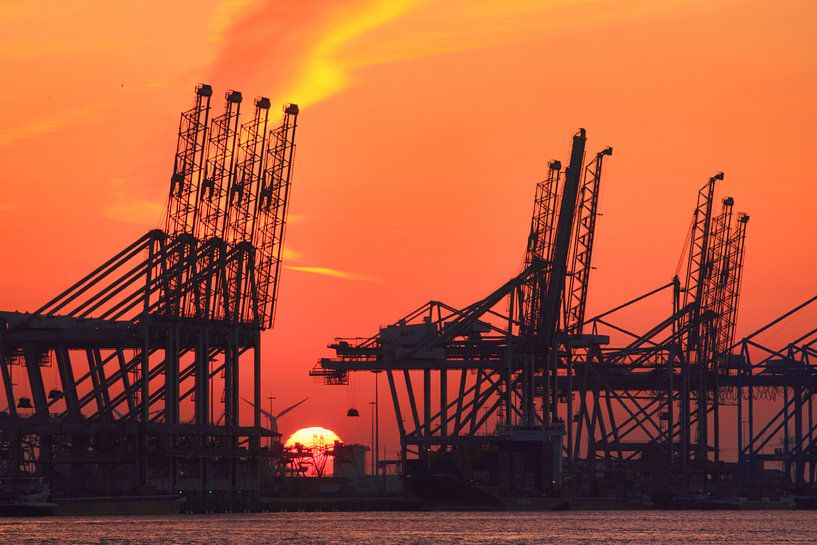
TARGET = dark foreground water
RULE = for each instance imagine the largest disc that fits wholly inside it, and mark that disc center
(637, 527)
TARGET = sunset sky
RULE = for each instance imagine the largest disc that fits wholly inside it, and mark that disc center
(424, 128)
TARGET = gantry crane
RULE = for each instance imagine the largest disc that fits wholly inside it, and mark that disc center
(526, 360)
(505, 350)
(142, 343)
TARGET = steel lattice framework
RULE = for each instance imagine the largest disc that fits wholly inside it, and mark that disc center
(149, 347)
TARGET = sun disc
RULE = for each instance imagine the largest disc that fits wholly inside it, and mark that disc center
(313, 436)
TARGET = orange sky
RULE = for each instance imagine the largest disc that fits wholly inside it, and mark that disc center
(424, 128)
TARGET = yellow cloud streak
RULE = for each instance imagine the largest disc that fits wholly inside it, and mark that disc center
(398, 30)
(323, 72)
(450, 26)
(292, 255)
(334, 273)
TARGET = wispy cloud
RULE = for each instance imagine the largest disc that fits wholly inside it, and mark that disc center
(324, 71)
(437, 27)
(52, 123)
(314, 51)
(292, 255)
(335, 273)
(295, 52)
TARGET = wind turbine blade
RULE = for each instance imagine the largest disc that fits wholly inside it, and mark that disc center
(265, 413)
(285, 411)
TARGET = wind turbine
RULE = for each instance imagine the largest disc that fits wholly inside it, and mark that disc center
(273, 418)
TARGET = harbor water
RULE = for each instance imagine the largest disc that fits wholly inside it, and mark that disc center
(410, 528)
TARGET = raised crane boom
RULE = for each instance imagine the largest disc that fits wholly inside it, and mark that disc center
(540, 246)
(698, 259)
(188, 164)
(246, 178)
(219, 170)
(240, 217)
(583, 237)
(552, 296)
(271, 213)
(731, 281)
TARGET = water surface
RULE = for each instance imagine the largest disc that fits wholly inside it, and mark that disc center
(370, 528)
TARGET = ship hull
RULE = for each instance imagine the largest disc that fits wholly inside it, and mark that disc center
(805, 502)
(27, 509)
(119, 505)
(451, 493)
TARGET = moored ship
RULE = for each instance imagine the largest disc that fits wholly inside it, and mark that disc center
(156, 504)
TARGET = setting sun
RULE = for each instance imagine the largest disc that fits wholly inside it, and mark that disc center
(312, 451)
(313, 437)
